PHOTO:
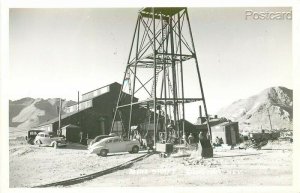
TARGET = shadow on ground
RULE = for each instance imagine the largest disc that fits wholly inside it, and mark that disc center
(75, 146)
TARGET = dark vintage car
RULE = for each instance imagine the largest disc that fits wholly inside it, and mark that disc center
(48, 139)
(31, 134)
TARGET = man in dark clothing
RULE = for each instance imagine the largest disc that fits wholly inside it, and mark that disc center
(221, 141)
(191, 138)
(205, 146)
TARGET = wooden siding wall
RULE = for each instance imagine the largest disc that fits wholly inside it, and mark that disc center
(89, 120)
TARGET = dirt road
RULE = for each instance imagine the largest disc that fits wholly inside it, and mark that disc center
(227, 168)
(32, 165)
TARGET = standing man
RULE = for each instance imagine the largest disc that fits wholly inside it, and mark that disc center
(191, 139)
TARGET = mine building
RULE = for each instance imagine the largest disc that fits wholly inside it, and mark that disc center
(94, 114)
(228, 131)
(220, 127)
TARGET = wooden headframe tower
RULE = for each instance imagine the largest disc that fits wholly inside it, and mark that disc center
(161, 44)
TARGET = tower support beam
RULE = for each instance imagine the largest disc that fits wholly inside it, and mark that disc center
(160, 47)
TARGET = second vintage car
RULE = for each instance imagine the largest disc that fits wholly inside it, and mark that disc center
(100, 137)
(113, 145)
(48, 139)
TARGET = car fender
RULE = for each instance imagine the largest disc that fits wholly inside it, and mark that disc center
(36, 138)
(52, 143)
(98, 144)
(137, 144)
(128, 147)
(131, 144)
(127, 144)
(96, 149)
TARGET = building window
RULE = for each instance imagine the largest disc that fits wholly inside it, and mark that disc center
(105, 90)
(95, 93)
(82, 105)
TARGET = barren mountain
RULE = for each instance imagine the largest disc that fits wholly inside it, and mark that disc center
(29, 112)
(253, 113)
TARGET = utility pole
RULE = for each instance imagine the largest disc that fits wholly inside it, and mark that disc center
(59, 116)
(78, 101)
(269, 119)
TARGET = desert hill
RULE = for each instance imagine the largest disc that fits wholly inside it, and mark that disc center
(253, 113)
(29, 112)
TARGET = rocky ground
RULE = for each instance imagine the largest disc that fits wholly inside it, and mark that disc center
(32, 165)
(227, 168)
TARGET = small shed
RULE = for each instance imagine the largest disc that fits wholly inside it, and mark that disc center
(71, 132)
(228, 131)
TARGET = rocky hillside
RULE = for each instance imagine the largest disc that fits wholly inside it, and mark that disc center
(253, 113)
(29, 112)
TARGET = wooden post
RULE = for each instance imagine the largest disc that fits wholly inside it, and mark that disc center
(59, 116)
(270, 119)
(78, 101)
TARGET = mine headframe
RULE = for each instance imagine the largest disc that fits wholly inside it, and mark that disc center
(161, 43)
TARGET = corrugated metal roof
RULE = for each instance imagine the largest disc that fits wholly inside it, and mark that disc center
(72, 113)
(93, 91)
(70, 125)
(102, 87)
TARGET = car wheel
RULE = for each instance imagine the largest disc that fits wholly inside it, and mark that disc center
(55, 144)
(135, 149)
(103, 153)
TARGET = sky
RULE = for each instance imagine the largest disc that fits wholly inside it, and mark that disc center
(57, 52)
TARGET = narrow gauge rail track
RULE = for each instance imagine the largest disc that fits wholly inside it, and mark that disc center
(94, 175)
